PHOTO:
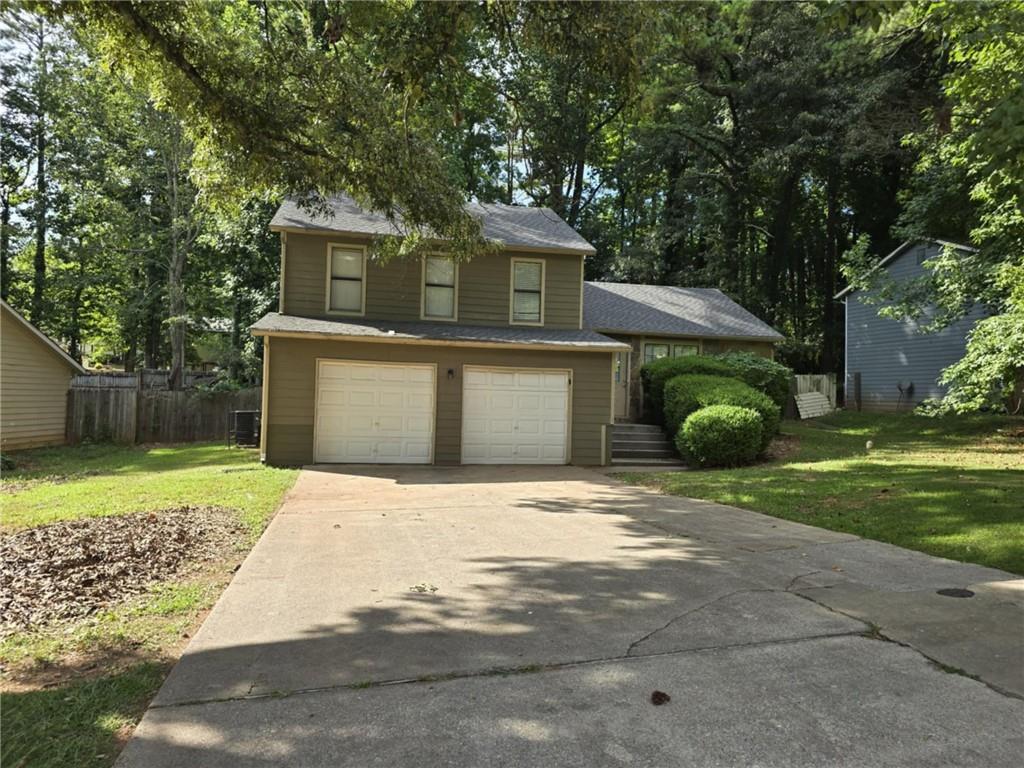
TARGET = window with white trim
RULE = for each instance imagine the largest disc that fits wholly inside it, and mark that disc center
(527, 291)
(347, 273)
(439, 276)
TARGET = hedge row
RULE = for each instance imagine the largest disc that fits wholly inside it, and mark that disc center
(762, 374)
(686, 394)
(721, 436)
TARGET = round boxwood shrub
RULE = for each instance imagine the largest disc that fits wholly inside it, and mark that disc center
(762, 374)
(686, 394)
(656, 374)
(720, 436)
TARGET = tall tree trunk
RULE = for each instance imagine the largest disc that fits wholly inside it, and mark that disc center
(180, 242)
(74, 330)
(576, 195)
(235, 369)
(131, 355)
(39, 262)
(5, 248)
(778, 246)
(731, 242)
(830, 339)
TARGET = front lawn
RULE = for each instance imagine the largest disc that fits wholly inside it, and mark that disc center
(52, 484)
(73, 690)
(952, 487)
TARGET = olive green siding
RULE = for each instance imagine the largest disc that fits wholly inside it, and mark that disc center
(291, 392)
(707, 347)
(393, 290)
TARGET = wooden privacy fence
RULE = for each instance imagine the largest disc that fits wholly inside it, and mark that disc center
(126, 415)
(806, 383)
(825, 383)
(149, 378)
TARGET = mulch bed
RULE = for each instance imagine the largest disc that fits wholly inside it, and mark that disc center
(71, 569)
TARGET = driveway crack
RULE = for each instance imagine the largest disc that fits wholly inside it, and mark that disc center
(691, 611)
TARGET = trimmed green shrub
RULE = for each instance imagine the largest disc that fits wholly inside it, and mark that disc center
(721, 436)
(762, 374)
(656, 374)
(686, 394)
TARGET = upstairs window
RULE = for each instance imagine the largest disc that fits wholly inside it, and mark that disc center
(347, 270)
(439, 288)
(527, 291)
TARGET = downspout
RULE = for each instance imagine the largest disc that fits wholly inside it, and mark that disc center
(280, 287)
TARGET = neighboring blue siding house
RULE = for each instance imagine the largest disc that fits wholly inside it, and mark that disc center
(899, 364)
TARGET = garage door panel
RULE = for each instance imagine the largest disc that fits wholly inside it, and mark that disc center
(552, 452)
(530, 427)
(515, 416)
(554, 428)
(421, 376)
(555, 403)
(374, 412)
(417, 424)
(423, 401)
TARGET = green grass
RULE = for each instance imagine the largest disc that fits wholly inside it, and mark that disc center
(81, 724)
(52, 484)
(74, 691)
(951, 487)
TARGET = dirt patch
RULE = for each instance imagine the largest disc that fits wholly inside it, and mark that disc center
(72, 569)
(782, 447)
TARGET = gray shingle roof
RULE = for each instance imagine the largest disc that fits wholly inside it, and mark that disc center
(467, 335)
(512, 225)
(665, 309)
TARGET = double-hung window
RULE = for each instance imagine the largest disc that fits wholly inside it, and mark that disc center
(347, 272)
(527, 291)
(440, 274)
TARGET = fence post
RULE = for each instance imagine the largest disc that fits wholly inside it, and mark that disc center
(856, 390)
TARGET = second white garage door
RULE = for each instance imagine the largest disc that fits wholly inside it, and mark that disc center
(515, 416)
(374, 413)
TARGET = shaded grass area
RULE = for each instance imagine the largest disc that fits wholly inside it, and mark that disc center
(74, 691)
(65, 483)
(952, 487)
(82, 724)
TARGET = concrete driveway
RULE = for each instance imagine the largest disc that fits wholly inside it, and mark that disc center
(524, 616)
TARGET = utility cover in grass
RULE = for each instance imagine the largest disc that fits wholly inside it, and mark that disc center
(71, 569)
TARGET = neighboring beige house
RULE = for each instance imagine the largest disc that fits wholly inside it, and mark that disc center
(35, 374)
(488, 361)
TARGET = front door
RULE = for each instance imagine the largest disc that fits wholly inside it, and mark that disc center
(621, 385)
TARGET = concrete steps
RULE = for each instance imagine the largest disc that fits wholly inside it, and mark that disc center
(641, 444)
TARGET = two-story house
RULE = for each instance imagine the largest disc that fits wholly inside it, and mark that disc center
(493, 360)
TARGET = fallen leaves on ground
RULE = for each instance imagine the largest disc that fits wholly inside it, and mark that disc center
(71, 569)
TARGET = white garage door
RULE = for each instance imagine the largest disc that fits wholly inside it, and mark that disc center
(515, 416)
(374, 413)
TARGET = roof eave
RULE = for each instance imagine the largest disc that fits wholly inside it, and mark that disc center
(899, 251)
(50, 343)
(326, 231)
(775, 338)
(327, 336)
